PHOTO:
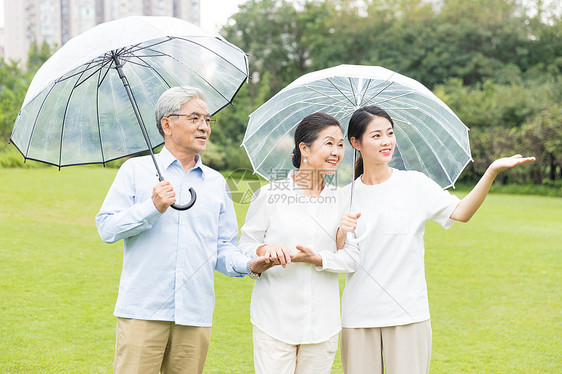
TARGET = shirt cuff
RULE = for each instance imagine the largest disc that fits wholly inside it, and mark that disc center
(239, 264)
(148, 211)
(323, 267)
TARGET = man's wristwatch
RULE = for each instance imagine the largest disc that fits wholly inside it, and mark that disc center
(251, 274)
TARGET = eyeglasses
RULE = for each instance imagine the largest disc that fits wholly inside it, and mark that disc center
(196, 118)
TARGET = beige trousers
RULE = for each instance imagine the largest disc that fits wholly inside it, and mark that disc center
(150, 347)
(392, 350)
(272, 356)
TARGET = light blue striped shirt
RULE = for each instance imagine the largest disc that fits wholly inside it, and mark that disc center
(169, 259)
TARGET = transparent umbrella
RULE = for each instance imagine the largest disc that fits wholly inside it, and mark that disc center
(90, 101)
(430, 138)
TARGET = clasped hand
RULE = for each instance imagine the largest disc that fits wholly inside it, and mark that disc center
(280, 254)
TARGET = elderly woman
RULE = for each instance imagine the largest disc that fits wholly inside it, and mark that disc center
(295, 309)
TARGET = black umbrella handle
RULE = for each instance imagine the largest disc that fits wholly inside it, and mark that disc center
(188, 205)
(191, 191)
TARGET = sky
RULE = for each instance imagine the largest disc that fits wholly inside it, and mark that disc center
(214, 13)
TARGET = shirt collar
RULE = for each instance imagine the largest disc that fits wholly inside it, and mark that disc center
(166, 159)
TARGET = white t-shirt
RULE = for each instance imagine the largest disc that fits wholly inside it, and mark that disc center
(297, 304)
(389, 288)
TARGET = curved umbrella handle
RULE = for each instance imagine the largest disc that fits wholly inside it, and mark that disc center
(351, 239)
(188, 205)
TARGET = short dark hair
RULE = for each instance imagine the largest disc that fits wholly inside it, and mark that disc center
(358, 123)
(307, 132)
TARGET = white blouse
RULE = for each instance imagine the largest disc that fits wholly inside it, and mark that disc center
(299, 304)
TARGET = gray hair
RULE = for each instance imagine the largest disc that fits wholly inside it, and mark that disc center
(172, 100)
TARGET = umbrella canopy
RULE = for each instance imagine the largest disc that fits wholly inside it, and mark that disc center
(85, 104)
(430, 138)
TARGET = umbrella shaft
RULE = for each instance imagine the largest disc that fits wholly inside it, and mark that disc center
(121, 73)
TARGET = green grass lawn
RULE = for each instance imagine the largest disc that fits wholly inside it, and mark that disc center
(494, 284)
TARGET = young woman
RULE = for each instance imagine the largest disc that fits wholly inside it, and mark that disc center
(386, 325)
(295, 308)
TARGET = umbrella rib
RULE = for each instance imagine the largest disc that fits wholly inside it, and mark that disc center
(155, 71)
(273, 147)
(143, 64)
(112, 92)
(36, 118)
(63, 121)
(98, 117)
(414, 148)
(90, 66)
(393, 98)
(217, 54)
(199, 75)
(435, 119)
(132, 49)
(337, 88)
(106, 72)
(236, 93)
(149, 47)
(325, 95)
(162, 77)
(365, 91)
(352, 89)
(158, 54)
(432, 150)
(381, 91)
(88, 77)
(76, 84)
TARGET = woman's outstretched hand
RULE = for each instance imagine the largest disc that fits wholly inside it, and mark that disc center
(508, 162)
(471, 202)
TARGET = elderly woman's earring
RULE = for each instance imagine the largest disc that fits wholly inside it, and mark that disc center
(305, 160)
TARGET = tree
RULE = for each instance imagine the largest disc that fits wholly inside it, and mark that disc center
(37, 55)
(543, 136)
(13, 85)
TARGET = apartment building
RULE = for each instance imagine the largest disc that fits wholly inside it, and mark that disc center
(57, 21)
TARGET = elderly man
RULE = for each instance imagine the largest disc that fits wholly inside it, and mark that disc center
(166, 296)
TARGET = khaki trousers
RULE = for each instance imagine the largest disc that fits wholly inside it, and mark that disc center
(272, 356)
(150, 347)
(392, 350)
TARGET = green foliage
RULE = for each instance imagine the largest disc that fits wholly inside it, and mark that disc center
(38, 55)
(11, 158)
(507, 119)
(214, 156)
(13, 84)
(543, 136)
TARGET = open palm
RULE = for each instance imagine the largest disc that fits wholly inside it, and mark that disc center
(509, 162)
